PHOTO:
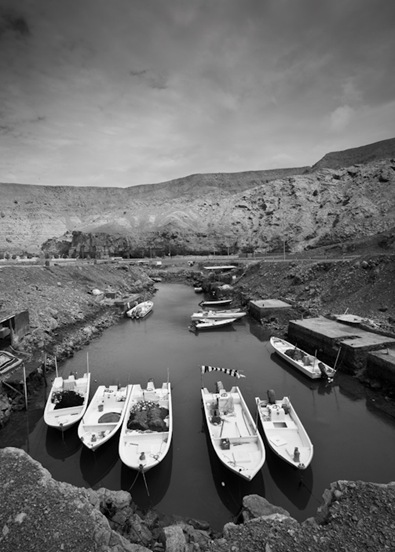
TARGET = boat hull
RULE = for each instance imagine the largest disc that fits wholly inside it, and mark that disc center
(284, 432)
(104, 415)
(140, 447)
(233, 433)
(302, 361)
(212, 324)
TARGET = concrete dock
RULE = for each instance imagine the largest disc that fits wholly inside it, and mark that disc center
(270, 308)
(333, 340)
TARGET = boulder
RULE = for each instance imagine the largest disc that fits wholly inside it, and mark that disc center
(255, 506)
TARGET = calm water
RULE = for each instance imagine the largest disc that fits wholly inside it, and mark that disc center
(351, 440)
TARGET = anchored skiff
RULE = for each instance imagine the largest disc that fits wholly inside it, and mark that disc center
(67, 401)
(218, 315)
(284, 431)
(104, 415)
(141, 310)
(305, 363)
(233, 432)
(147, 428)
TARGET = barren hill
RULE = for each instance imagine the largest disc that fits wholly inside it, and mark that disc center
(384, 149)
(257, 210)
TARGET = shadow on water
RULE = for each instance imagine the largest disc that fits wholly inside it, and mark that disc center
(295, 484)
(230, 488)
(62, 445)
(156, 480)
(259, 331)
(95, 465)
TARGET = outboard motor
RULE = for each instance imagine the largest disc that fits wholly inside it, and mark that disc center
(271, 396)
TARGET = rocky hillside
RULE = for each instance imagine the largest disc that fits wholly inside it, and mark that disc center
(252, 211)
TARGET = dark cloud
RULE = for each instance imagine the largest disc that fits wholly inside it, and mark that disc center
(12, 22)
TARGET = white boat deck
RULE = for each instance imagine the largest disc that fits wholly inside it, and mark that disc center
(285, 432)
(144, 449)
(233, 434)
(103, 416)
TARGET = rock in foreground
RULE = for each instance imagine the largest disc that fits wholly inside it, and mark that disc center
(43, 515)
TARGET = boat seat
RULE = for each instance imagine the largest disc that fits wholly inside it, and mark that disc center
(69, 386)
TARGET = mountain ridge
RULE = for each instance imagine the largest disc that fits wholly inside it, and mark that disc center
(220, 211)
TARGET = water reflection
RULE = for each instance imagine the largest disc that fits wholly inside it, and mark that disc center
(95, 465)
(62, 445)
(258, 331)
(148, 490)
(295, 484)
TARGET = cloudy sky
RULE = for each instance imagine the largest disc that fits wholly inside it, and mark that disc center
(126, 92)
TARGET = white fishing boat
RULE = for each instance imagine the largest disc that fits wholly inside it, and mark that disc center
(216, 315)
(67, 401)
(217, 303)
(232, 430)
(147, 428)
(104, 415)
(212, 324)
(302, 361)
(284, 431)
(141, 310)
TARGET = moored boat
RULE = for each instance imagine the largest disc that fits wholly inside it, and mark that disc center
(215, 303)
(232, 430)
(284, 431)
(141, 310)
(104, 415)
(211, 314)
(147, 427)
(302, 361)
(67, 401)
(211, 323)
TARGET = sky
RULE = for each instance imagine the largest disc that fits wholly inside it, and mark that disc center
(126, 92)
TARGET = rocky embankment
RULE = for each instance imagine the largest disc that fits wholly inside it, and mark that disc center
(39, 514)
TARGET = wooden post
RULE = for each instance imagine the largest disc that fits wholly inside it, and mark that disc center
(24, 384)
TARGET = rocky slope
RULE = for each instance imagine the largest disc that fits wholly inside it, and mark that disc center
(250, 211)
